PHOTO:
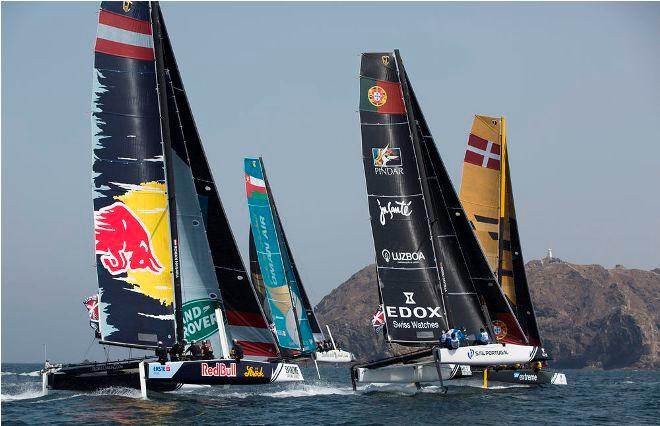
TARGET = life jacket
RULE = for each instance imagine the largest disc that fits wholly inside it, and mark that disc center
(483, 337)
(454, 343)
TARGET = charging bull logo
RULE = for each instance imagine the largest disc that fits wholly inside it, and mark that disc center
(123, 240)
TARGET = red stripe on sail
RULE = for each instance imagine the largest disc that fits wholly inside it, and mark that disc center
(250, 188)
(473, 158)
(493, 164)
(247, 319)
(394, 103)
(124, 22)
(478, 142)
(124, 50)
(258, 348)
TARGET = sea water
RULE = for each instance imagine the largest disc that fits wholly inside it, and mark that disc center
(591, 397)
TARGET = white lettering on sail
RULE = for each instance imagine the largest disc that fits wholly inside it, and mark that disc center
(402, 256)
(399, 208)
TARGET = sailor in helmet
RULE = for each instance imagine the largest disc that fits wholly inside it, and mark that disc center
(195, 350)
(236, 351)
(161, 352)
(483, 338)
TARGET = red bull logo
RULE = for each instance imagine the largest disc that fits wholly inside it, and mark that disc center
(219, 370)
(123, 240)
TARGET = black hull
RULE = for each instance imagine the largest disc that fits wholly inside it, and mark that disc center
(98, 376)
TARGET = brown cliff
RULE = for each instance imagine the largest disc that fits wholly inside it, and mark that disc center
(589, 316)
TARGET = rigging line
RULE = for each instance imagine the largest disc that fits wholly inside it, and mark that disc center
(89, 347)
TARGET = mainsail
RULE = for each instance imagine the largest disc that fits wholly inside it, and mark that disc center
(486, 194)
(159, 279)
(280, 279)
(431, 271)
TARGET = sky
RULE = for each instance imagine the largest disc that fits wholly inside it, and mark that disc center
(578, 83)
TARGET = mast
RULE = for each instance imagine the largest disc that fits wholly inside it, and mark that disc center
(169, 172)
(278, 223)
(503, 161)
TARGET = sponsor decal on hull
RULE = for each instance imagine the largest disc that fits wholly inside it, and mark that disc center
(219, 369)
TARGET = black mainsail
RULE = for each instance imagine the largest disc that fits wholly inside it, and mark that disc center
(431, 271)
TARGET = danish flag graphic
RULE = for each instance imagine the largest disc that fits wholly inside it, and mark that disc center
(482, 152)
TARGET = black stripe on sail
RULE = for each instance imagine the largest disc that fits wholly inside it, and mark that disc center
(506, 273)
(485, 219)
(494, 235)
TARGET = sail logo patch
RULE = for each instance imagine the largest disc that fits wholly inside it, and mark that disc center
(123, 241)
(402, 256)
(387, 161)
(386, 157)
(500, 329)
(390, 210)
(377, 96)
(199, 320)
(409, 297)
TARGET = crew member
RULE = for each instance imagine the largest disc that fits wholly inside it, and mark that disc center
(236, 351)
(195, 350)
(174, 351)
(454, 343)
(443, 338)
(207, 350)
(161, 352)
(483, 338)
(537, 366)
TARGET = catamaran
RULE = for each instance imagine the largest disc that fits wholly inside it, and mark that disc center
(168, 267)
(432, 274)
(276, 278)
(487, 198)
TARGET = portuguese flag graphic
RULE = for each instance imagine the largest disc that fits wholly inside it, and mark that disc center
(381, 96)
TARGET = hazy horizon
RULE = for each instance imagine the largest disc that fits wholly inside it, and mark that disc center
(578, 83)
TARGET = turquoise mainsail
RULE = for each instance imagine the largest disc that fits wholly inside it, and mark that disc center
(282, 292)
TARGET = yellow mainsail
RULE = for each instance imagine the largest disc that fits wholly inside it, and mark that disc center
(488, 207)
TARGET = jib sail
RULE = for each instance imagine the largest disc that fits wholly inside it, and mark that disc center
(473, 298)
(286, 310)
(131, 210)
(212, 271)
(488, 200)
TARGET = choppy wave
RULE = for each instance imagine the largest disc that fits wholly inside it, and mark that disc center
(21, 392)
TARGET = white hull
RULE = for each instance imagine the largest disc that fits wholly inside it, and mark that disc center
(411, 373)
(335, 356)
(492, 354)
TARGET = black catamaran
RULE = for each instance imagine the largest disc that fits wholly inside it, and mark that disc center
(169, 270)
(432, 274)
(276, 277)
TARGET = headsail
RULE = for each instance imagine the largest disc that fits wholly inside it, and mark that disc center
(212, 271)
(279, 277)
(491, 212)
(131, 209)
